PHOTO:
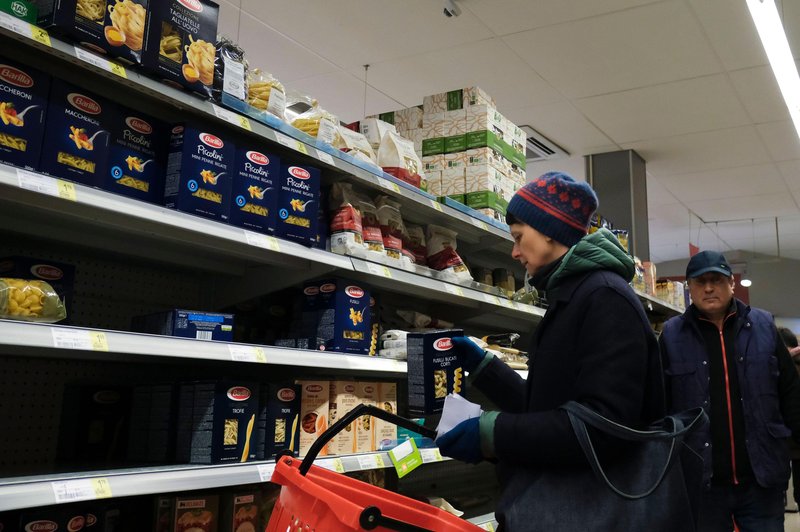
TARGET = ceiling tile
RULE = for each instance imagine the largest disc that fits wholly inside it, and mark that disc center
(760, 94)
(697, 152)
(738, 182)
(788, 225)
(653, 44)
(511, 16)
(781, 139)
(790, 170)
(670, 216)
(700, 104)
(736, 209)
(731, 31)
(747, 230)
(352, 33)
(228, 19)
(657, 194)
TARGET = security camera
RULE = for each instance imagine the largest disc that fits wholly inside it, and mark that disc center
(451, 9)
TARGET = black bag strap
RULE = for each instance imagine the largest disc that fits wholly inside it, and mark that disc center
(580, 416)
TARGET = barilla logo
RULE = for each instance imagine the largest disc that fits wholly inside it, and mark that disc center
(137, 124)
(311, 291)
(41, 526)
(20, 10)
(197, 503)
(84, 103)
(76, 523)
(314, 388)
(15, 76)
(349, 388)
(211, 140)
(45, 271)
(239, 393)
(258, 158)
(177, 130)
(286, 394)
(369, 389)
(327, 288)
(91, 520)
(193, 5)
(354, 291)
(443, 344)
(244, 499)
(299, 173)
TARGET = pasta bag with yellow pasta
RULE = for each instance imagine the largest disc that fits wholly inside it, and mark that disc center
(30, 300)
(318, 123)
(266, 93)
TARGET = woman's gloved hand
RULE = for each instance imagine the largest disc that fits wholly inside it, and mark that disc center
(471, 352)
(463, 442)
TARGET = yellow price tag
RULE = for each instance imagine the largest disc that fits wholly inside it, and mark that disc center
(299, 146)
(245, 123)
(66, 190)
(489, 527)
(40, 35)
(436, 205)
(387, 273)
(379, 461)
(437, 455)
(119, 70)
(272, 243)
(102, 488)
(99, 341)
(338, 465)
(261, 356)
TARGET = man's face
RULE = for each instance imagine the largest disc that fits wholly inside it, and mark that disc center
(712, 293)
(533, 249)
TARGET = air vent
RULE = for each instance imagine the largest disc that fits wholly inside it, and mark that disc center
(540, 148)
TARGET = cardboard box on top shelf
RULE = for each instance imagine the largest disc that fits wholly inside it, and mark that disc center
(432, 119)
(435, 183)
(486, 156)
(456, 99)
(432, 139)
(493, 214)
(433, 163)
(374, 129)
(404, 119)
(453, 185)
(485, 118)
(455, 160)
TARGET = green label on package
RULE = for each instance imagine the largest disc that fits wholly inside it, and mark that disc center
(406, 457)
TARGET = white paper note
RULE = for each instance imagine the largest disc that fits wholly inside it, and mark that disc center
(456, 410)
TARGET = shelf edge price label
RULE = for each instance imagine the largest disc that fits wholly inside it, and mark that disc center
(455, 290)
(231, 117)
(367, 461)
(334, 464)
(46, 185)
(265, 472)
(64, 338)
(326, 157)
(436, 205)
(493, 300)
(25, 29)
(431, 455)
(292, 144)
(85, 489)
(299, 146)
(379, 270)
(262, 241)
(385, 183)
(480, 224)
(100, 62)
(247, 353)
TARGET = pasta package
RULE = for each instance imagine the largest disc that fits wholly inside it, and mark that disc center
(57, 275)
(137, 157)
(255, 190)
(367, 393)
(397, 157)
(195, 513)
(435, 370)
(318, 123)
(115, 27)
(23, 105)
(278, 419)
(298, 203)
(30, 300)
(343, 317)
(230, 70)
(314, 411)
(347, 235)
(199, 170)
(266, 93)
(77, 134)
(343, 399)
(442, 256)
(179, 44)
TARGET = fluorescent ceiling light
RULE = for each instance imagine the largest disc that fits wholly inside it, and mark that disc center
(770, 29)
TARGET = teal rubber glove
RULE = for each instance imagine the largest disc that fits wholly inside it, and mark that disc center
(471, 352)
(463, 442)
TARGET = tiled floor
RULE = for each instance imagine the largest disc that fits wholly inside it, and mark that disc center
(791, 523)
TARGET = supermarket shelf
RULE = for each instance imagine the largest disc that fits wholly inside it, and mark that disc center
(658, 306)
(36, 339)
(44, 490)
(486, 522)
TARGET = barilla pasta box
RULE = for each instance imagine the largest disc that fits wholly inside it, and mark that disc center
(51, 519)
(179, 45)
(278, 419)
(115, 27)
(23, 106)
(254, 190)
(343, 399)
(435, 370)
(182, 323)
(163, 507)
(365, 425)
(343, 319)
(199, 168)
(239, 510)
(137, 156)
(298, 202)
(77, 134)
(195, 513)
(385, 431)
(314, 411)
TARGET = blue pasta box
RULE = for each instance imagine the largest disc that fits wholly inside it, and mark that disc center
(136, 157)
(343, 317)
(179, 45)
(298, 203)
(77, 134)
(23, 106)
(254, 191)
(187, 324)
(435, 370)
(199, 169)
(278, 419)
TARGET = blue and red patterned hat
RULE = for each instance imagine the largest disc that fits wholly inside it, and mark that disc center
(555, 205)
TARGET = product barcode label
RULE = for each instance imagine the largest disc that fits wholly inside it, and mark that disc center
(431, 455)
(455, 290)
(247, 353)
(46, 185)
(334, 464)
(79, 339)
(262, 241)
(325, 157)
(203, 335)
(370, 461)
(489, 298)
(265, 472)
(231, 117)
(100, 62)
(233, 80)
(85, 489)
(377, 269)
(23, 28)
(436, 205)
(385, 183)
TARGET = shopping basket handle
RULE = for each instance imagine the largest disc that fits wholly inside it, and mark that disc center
(345, 420)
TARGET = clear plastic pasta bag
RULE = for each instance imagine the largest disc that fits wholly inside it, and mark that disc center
(30, 300)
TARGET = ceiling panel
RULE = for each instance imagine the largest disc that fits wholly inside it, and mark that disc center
(781, 139)
(743, 181)
(731, 31)
(675, 214)
(763, 206)
(697, 152)
(653, 44)
(352, 33)
(760, 94)
(790, 170)
(657, 194)
(700, 104)
(228, 19)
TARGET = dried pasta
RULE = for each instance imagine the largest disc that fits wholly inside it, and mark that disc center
(15, 143)
(75, 161)
(128, 18)
(9, 115)
(231, 433)
(170, 46)
(200, 54)
(134, 183)
(91, 9)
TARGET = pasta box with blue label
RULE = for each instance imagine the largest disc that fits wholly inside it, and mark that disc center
(136, 157)
(199, 168)
(298, 203)
(254, 190)
(77, 134)
(435, 370)
(23, 106)
(115, 27)
(278, 419)
(179, 45)
(343, 317)
(187, 324)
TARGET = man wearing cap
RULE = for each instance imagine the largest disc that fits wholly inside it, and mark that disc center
(594, 345)
(727, 357)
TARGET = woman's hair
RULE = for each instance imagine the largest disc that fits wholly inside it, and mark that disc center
(511, 219)
(788, 337)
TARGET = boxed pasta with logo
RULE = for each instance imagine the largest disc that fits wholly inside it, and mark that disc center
(22, 9)
(199, 172)
(239, 509)
(217, 422)
(23, 106)
(51, 519)
(343, 399)
(115, 27)
(343, 319)
(367, 393)
(385, 431)
(278, 423)
(314, 411)
(137, 157)
(195, 513)
(51, 283)
(298, 203)
(179, 45)
(77, 134)
(183, 323)
(435, 370)
(255, 190)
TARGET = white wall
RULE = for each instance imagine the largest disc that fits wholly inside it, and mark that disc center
(574, 166)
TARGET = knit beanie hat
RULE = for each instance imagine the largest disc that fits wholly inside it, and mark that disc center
(555, 205)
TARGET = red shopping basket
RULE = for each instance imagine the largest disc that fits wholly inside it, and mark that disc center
(315, 499)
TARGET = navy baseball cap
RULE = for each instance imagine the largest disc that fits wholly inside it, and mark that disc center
(707, 261)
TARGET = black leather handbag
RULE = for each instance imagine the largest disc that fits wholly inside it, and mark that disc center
(656, 486)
